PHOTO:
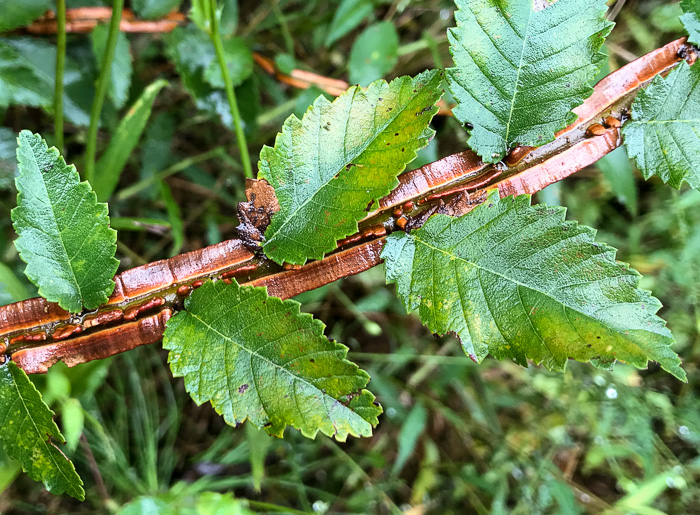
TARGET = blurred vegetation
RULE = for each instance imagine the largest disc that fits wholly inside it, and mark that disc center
(455, 437)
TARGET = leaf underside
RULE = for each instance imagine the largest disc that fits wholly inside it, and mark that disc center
(257, 357)
(519, 282)
(691, 19)
(326, 168)
(663, 136)
(64, 233)
(519, 71)
(28, 432)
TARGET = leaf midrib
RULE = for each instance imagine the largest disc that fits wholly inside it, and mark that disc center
(520, 284)
(269, 362)
(46, 445)
(517, 76)
(291, 215)
(33, 157)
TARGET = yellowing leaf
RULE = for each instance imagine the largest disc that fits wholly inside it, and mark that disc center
(257, 357)
(327, 167)
(520, 283)
(28, 432)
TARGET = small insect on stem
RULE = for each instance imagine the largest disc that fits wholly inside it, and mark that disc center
(595, 130)
(611, 122)
(517, 154)
(401, 222)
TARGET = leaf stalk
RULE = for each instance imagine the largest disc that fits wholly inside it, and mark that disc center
(60, 66)
(101, 89)
(215, 36)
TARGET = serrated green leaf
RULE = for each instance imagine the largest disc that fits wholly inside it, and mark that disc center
(691, 19)
(153, 9)
(519, 282)
(64, 233)
(348, 15)
(519, 71)
(120, 77)
(239, 60)
(111, 165)
(14, 14)
(28, 433)
(27, 75)
(327, 167)
(257, 357)
(663, 135)
(20, 83)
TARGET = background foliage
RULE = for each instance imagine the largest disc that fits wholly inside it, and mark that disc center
(455, 436)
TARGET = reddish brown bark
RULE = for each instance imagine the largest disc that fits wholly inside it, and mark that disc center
(36, 333)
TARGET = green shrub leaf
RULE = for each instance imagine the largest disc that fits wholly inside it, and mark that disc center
(257, 357)
(124, 141)
(519, 282)
(691, 19)
(327, 167)
(20, 81)
(29, 433)
(64, 233)
(348, 15)
(374, 53)
(153, 9)
(663, 135)
(27, 76)
(14, 14)
(120, 78)
(196, 63)
(519, 71)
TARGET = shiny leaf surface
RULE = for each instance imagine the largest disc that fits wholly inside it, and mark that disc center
(64, 233)
(257, 357)
(519, 282)
(29, 433)
(520, 69)
(663, 136)
(327, 167)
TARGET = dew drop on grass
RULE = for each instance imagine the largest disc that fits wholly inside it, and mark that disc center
(611, 392)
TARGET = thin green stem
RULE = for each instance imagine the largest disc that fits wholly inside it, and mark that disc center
(60, 66)
(177, 167)
(230, 93)
(101, 89)
(288, 40)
